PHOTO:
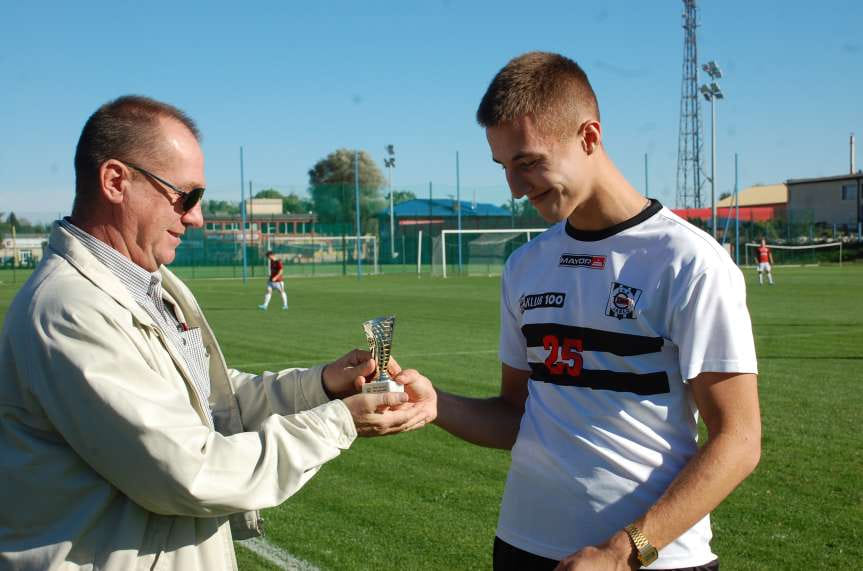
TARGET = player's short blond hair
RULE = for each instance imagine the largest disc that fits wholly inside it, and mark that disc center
(549, 87)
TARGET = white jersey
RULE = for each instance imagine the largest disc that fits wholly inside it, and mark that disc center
(611, 324)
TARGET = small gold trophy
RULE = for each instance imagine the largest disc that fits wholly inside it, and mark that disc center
(379, 334)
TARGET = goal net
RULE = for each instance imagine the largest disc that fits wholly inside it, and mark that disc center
(477, 252)
(326, 254)
(808, 255)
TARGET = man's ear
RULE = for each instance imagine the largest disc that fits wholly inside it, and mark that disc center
(114, 180)
(591, 136)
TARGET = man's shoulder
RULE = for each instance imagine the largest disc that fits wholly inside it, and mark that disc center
(527, 253)
(686, 244)
(54, 289)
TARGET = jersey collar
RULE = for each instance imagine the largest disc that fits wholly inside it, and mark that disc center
(594, 235)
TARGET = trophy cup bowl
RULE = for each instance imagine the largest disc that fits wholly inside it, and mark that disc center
(379, 334)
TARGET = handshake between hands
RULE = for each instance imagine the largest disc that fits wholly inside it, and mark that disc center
(377, 414)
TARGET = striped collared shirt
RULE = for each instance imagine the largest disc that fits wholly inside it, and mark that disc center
(146, 289)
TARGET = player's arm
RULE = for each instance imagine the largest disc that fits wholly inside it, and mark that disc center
(728, 403)
(278, 276)
(491, 422)
(770, 256)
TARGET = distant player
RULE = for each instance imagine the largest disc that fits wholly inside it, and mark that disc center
(765, 263)
(276, 281)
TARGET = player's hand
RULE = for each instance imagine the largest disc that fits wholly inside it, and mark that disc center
(345, 376)
(421, 392)
(378, 414)
(615, 555)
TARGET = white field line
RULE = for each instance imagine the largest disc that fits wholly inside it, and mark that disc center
(788, 335)
(276, 555)
(400, 356)
(261, 278)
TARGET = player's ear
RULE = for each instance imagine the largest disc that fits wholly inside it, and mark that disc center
(591, 136)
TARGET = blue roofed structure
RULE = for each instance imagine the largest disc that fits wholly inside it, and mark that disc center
(428, 218)
(443, 208)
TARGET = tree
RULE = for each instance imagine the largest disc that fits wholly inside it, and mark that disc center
(219, 207)
(269, 193)
(524, 210)
(400, 196)
(331, 185)
(291, 204)
(21, 225)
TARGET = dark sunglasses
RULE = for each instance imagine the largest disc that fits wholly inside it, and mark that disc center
(190, 199)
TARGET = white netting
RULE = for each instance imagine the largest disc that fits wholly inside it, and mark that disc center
(805, 255)
(303, 250)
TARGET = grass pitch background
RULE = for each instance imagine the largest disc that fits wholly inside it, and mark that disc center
(426, 500)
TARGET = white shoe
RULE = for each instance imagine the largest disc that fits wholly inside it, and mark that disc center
(285, 307)
(262, 307)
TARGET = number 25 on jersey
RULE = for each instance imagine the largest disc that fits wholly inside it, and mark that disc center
(567, 357)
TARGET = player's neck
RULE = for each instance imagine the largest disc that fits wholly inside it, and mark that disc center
(610, 201)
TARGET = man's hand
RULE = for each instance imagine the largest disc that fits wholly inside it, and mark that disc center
(345, 376)
(378, 414)
(618, 554)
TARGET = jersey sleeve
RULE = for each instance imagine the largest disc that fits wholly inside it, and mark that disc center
(711, 326)
(513, 349)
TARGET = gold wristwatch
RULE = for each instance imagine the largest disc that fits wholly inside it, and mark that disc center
(647, 554)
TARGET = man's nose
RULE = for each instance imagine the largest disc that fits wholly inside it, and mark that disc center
(518, 187)
(193, 217)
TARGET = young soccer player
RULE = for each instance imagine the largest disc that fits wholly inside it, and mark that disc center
(765, 263)
(276, 281)
(619, 326)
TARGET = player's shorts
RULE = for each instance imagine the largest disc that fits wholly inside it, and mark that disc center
(276, 285)
(763, 266)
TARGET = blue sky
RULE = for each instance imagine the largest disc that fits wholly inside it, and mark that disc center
(293, 81)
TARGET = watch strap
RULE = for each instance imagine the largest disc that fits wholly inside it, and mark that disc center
(647, 553)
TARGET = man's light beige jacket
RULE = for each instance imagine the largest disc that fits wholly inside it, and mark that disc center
(108, 459)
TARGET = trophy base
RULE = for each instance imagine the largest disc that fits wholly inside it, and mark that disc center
(383, 387)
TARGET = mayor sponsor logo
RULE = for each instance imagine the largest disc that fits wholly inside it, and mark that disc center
(582, 261)
(536, 300)
(622, 301)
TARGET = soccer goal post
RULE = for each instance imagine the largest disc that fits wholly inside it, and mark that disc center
(327, 254)
(486, 253)
(806, 255)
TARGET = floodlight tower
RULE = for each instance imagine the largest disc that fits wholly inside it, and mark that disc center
(390, 163)
(689, 141)
(712, 93)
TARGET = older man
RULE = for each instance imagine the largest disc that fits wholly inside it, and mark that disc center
(125, 441)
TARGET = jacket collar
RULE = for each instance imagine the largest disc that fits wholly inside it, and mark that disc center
(69, 247)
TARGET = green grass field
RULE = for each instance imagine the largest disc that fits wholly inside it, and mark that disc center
(425, 500)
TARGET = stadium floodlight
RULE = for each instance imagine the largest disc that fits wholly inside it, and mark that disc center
(390, 163)
(715, 91)
(712, 93)
(712, 70)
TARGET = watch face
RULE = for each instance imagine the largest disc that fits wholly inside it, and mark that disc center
(648, 555)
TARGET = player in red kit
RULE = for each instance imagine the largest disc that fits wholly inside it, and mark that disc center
(276, 281)
(765, 263)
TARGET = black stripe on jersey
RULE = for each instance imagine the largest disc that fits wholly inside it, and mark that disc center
(645, 384)
(623, 344)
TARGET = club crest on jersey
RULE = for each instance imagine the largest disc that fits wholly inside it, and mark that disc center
(536, 300)
(622, 301)
(582, 261)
